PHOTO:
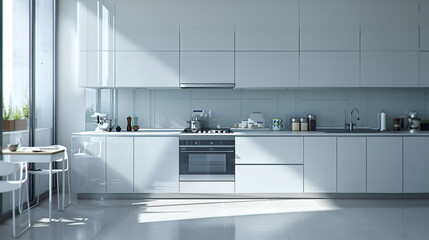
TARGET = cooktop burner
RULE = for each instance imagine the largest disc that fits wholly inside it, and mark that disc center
(207, 131)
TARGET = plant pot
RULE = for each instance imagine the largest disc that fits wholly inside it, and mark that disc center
(424, 126)
(8, 125)
(20, 124)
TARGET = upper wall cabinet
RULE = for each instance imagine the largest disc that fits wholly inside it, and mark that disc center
(390, 69)
(266, 25)
(96, 69)
(329, 69)
(424, 69)
(330, 25)
(147, 25)
(266, 69)
(207, 25)
(424, 25)
(390, 25)
(95, 24)
(147, 69)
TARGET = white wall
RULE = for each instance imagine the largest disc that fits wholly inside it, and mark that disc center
(71, 99)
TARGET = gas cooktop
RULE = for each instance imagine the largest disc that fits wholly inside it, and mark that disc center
(207, 131)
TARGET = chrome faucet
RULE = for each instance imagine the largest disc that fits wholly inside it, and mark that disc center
(351, 118)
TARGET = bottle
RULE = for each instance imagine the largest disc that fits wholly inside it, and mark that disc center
(383, 121)
(311, 122)
(295, 124)
(304, 124)
(396, 124)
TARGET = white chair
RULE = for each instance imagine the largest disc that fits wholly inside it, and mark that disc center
(12, 183)
(64, 169)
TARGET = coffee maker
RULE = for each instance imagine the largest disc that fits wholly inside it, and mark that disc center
(413, 121)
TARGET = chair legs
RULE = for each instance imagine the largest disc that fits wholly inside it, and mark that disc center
(15, 234)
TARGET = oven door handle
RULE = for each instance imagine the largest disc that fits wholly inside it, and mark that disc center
(186, 151)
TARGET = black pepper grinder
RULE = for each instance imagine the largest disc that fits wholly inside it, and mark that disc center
(129, 124)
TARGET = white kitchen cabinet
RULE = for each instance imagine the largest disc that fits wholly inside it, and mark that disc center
(390, 25)
(320, 164)
(96, 69)
(268, 179)
(384, 164)
(206, 67)
(147, 25)
(207, 25)
(329, 25)
(88, 162)
(351, 164)
(207, 187)
(266, 25)
(156, 165)
(424, 25)
(390, 69)
(416, 165)
(329, 69)
(147, 69)
(424, 69)
(95, 25)
(269, 150)
(266, 69)
(119, 169)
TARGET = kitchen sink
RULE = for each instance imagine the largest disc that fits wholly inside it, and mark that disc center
(359, 130)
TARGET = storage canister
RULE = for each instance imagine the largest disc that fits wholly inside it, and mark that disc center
(311, 122)
(295, 124)
(304, 124)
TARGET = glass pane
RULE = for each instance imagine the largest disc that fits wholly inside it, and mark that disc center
(207, 163)
(15, 66)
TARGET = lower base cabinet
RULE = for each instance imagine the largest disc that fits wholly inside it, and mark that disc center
(268, 178)
(416, 165)
(351, 164)
(207, 187)
(119, 167)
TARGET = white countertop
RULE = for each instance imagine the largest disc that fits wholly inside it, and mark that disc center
(177, 132)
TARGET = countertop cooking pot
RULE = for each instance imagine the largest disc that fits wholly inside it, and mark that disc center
(195, 125)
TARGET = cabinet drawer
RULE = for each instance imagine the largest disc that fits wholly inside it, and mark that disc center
(207, 187)
(269, 179)
(269, 150)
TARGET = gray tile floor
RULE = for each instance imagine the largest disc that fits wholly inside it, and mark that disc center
(206, 219)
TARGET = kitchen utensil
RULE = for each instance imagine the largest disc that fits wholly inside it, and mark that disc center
(12, 147)
(277, 124)
(311, 119)
(129, 124)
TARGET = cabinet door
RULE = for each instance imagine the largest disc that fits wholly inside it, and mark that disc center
(424, 25)
(88, 161)
(390, 25)
(156, 165)
(384, 164)
(329, 25)
(266, 69)
(147, 25)
(206, 67)
(320, 164)
(351, 164)
(95, 25)
(147, 69)
(329, 69)
(416, 165)
(424, 69)
(390, 69)
(269, 150)
(119, 172)
(266, 25)
(96, 69)
(268, 179)
(207, 25)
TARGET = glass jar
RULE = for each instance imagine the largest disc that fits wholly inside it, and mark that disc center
(304, 124)
(295, 124)
(396, 124)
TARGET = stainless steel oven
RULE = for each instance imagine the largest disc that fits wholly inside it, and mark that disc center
(207, 158)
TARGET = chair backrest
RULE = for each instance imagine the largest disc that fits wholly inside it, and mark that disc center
(7, 168)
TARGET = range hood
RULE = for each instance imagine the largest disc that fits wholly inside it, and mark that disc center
(207, 85)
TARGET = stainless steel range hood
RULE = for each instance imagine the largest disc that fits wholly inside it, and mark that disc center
(207, 85)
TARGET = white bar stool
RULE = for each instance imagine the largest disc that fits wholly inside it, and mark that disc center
(10, 170)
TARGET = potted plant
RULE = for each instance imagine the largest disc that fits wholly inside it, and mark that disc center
(20, 122)
(8, 123)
